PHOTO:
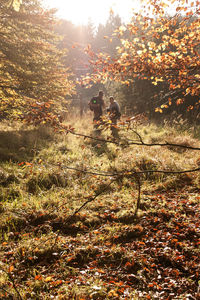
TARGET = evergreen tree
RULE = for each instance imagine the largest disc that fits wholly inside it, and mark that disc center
(33, 81)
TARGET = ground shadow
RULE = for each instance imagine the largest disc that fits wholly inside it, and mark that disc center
(100, 145)
(22, 145)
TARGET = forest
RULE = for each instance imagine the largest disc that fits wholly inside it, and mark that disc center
(94, 205)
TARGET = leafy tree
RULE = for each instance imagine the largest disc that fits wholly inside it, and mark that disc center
(15, 4)
(33, 81)
(159, 48)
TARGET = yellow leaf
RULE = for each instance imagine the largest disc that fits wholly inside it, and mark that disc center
(187, 91)
(158, 109)
(122, 28)
(16, 4)
(112, 293)
(49, 278)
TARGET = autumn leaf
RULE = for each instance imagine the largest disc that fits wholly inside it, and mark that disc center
(48, 279)
(16, 4)
(11, 268)
(38, 277)
(179, 101)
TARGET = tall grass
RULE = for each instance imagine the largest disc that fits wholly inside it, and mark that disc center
(45, 177)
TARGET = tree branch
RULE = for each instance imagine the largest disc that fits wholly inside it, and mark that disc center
(90, 199)
(131, 142)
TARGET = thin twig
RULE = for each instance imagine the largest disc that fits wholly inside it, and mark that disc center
(162, 145)
(166, 144)
(168, 172)
(92, 137)
(13, 283)
(123, 173)
(90, 199)
(131, 142)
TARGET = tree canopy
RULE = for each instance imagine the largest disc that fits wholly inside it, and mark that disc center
(158, 47)
(33, 80)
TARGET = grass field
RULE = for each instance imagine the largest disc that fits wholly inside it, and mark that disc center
(105, 250)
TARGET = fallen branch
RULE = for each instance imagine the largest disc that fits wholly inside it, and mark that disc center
(90, 199)
(131, 142)
(126, 172)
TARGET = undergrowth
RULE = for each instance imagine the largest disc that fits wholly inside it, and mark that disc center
(104, 251)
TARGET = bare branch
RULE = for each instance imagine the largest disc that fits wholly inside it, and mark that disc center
(131, 142)
(90, 199)
(127, 172)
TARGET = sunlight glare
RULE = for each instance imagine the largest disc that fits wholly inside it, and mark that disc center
(82, 11)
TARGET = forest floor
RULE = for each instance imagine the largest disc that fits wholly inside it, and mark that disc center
(104, 251)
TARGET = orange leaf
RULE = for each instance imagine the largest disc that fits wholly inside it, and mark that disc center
(179, 101)
(11, 268)
(38, 277)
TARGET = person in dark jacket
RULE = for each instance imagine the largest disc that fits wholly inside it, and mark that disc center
(96, 105)
(114, 112)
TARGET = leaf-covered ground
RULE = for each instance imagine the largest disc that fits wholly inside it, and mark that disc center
(155, 256)
(103, 252)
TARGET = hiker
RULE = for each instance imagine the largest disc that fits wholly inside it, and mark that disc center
(114, 112)
(96, 105)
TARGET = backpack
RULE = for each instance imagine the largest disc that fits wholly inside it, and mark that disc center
(92, 101)
(93, 106)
